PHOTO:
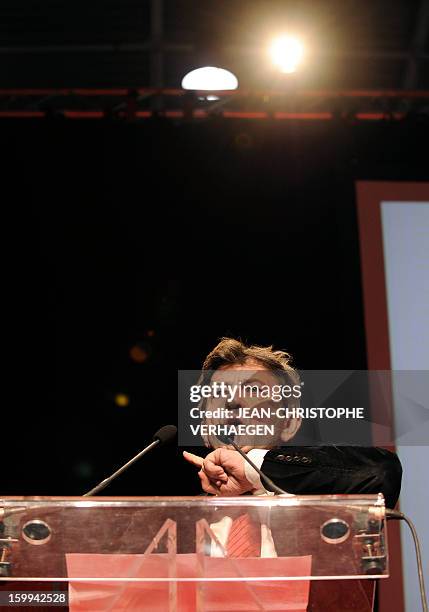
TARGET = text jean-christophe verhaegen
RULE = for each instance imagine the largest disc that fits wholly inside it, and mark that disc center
(222, 402)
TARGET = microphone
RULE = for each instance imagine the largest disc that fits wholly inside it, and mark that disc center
(164, 435)
(270, 484)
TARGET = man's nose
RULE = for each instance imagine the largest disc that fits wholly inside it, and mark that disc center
(235, 404)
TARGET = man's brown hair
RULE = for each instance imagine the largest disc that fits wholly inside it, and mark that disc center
(231, 351)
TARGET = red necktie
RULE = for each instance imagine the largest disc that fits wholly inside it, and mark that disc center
(244, 538)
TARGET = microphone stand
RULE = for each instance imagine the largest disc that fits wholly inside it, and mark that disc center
(122, 469)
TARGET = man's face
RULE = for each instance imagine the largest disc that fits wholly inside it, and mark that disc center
(251, 407)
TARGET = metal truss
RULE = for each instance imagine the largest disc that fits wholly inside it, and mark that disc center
(144, 103)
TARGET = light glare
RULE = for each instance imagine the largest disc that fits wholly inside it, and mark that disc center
(286, 53)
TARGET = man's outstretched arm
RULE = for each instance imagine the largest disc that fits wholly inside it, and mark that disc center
(306, 470)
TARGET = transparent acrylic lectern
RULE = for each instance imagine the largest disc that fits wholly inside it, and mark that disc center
(316, 552)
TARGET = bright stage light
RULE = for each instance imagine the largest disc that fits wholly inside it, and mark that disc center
(210, 78)
(286, 53)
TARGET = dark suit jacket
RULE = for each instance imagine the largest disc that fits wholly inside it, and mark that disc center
(307, 470)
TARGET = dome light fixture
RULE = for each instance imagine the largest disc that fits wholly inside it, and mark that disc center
(210, 78)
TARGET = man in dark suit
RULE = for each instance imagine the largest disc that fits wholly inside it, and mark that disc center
(295, 469)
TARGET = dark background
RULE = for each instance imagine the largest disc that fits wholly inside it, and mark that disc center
(170, 235)
(167, 235)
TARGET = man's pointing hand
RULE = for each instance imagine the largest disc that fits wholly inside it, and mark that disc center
(222, 472)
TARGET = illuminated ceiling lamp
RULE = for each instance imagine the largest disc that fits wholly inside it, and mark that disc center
(287, 53)
(210, 78)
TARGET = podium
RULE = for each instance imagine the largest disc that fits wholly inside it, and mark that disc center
(318, 553)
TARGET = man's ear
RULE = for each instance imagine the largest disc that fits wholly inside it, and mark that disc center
(290, 429)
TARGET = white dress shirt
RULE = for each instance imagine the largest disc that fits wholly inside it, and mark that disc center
(222, 528)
